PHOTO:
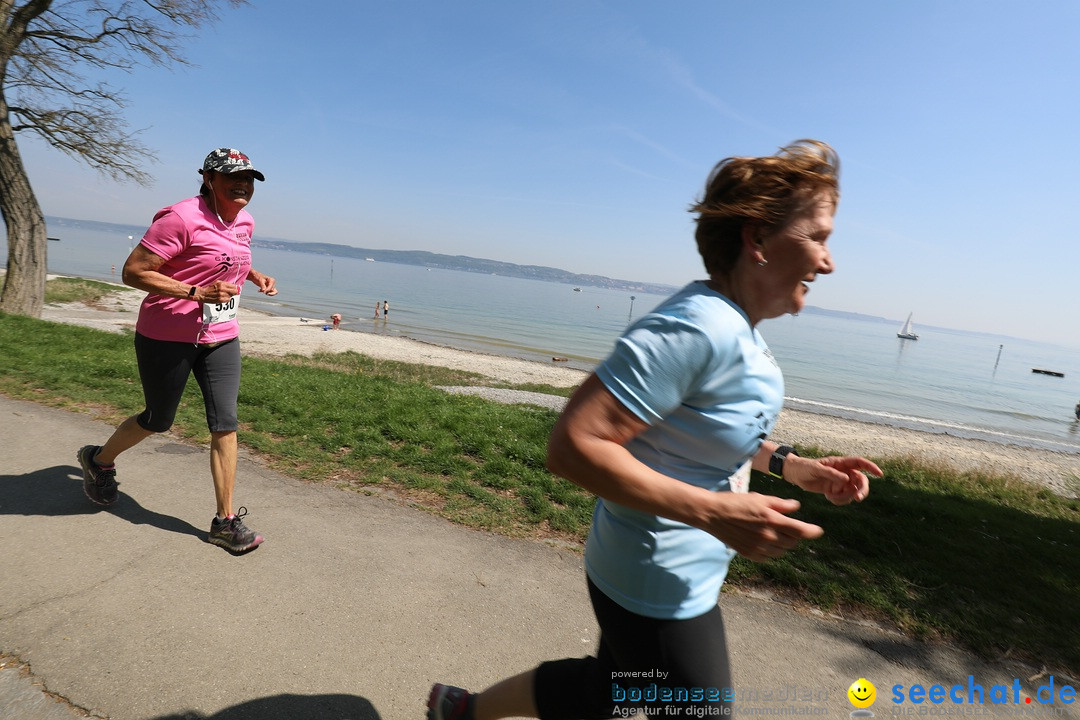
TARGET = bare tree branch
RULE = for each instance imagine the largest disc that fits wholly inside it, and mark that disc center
(48, 51)
(47, 48)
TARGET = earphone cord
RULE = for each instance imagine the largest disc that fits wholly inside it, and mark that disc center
(205, 327)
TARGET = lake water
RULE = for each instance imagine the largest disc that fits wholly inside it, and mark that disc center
(965, 384)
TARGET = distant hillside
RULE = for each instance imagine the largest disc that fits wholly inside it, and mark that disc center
(814, 310)
(465, 263)
(55, 223)
(406, 257)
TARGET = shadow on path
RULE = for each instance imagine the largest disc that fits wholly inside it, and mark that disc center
(291, 707)
(57, 491)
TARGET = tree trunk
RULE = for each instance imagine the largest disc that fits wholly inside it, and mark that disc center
(24, 284)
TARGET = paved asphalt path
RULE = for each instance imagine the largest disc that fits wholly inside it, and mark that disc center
(352, 607)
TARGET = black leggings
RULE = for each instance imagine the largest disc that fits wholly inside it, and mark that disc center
(164, 368)
(691, 654)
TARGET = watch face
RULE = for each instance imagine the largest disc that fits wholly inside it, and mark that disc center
(776, 460)
(776, 464)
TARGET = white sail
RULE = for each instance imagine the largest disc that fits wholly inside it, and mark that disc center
(906, 332)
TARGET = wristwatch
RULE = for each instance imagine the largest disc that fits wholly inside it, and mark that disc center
(776, 460)
(191, 292)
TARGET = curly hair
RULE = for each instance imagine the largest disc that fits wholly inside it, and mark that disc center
(760, 190)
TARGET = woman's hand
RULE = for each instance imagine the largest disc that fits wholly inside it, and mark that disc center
(216, 292)
(840, 479)
(265, 283)
(756, 526)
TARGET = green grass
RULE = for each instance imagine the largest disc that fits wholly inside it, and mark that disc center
(66, 289)
(345, 419)
(989, 562)
(481, 462)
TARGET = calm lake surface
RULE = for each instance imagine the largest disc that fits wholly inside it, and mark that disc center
(965, 384)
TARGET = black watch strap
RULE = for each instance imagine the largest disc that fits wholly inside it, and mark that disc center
(776, 460)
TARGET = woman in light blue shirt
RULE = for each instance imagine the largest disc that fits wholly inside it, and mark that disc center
(665, 433)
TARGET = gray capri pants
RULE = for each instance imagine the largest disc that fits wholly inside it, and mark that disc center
(164, 368)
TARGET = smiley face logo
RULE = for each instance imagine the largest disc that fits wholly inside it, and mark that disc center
(862, 693)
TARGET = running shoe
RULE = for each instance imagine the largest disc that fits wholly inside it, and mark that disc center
(99, 481)
(447, 702)
(232, 534)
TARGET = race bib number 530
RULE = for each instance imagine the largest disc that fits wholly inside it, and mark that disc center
(213, 313)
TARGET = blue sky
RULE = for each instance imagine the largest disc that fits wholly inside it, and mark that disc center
(575, 135)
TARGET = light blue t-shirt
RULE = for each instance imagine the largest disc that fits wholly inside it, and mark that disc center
(708, 387)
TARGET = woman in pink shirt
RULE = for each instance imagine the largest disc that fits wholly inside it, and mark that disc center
(193, 263)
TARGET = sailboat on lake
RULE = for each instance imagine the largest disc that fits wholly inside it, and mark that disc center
(906, 332)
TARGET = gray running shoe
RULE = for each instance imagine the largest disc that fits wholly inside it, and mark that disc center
(99, 482)
(447, 702)
(232, 534)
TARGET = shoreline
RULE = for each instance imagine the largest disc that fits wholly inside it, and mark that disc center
(269, 335)
(276, 335)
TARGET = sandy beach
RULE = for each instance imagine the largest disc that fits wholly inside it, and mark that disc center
(275, 336)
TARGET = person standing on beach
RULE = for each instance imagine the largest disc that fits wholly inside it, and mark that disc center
(385, 308)
(376, 310)
(665, 432)
(192, 262)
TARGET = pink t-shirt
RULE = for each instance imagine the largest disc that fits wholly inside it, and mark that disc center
(198, 249)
